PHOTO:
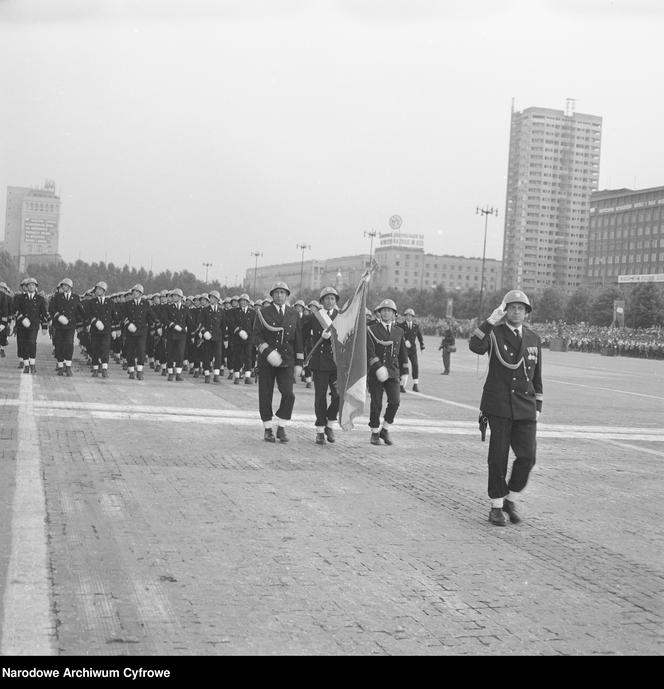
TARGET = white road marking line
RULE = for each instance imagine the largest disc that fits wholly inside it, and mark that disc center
(638, 448)
(597, 387)
(28, 627)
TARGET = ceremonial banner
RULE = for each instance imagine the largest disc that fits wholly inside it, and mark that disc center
(349, 347)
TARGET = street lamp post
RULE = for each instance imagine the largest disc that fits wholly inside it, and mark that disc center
(303, 247)
(256, 254)
(371, 234)
(207, 265)
(486, 212)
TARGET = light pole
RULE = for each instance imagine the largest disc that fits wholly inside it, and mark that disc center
(256, 254)
(304, 247)
(371, 234)
(206, 265)
(486, 212)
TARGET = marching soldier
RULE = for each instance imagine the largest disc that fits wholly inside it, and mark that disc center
(137, 316)
(66, 314)
(31, 312)
(448, 345)
(103, 319)
(278, 337)
(241, 334)
(322, 365)
(387, 369)
(213, 326)
(412, 334)
(5, 314)
(179, 324)
(511, 400)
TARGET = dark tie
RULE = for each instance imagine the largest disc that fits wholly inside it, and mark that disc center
(281, 313)
(518, 337)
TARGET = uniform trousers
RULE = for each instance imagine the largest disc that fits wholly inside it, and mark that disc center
(63, 340)
(446, 359)
(241, 355)
(100, 346)
(135, 349)
(376, 388)
(414, 366)
(175, 354)
(283, 375)
(212, 351)
(322, 381)
(521, 437)
(26, 343)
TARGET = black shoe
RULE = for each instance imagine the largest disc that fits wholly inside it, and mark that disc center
(104, 373)
(496, 517)
(402, 389)
(446, 373)
(236, 381)
(215, 379)
(510, 508)
(281, 434)
(185, 368)
(164, 372)
(20, 365)
(416, 388)
(329, 434)
(95, 373)
(179, 378)
(268, 436)
(61, 371)
(385, 436)
(207, 378)
(308, 385)
(171, 377)
(248, 381)
(26, 369)
(230, 376)
(68, 371)
(320, 438)
(139, 375)
(33, 368)
(125, 366)
(131, 376)
(191, 372)
(197, 373)
(2, 354)
(375, 439)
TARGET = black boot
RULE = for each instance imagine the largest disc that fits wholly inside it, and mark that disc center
(268, 436)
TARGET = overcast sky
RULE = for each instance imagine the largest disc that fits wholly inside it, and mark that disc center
(199, 131)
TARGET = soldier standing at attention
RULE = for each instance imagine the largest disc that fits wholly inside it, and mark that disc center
(387, 368)
(511, 401)
(412, 335)
(448, 345)
(31, 312)
(278, 338)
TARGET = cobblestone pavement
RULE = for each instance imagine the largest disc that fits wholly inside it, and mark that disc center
(173, 529)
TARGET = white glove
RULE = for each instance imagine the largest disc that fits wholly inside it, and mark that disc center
(25, 322)
(131, 328)
(114, 334)
(403, 381)
(243, 334)
(261, 348)
(274, 358)
(2, 327)
(298, 371)
(326, 334)
(382, 374)
(99, 325)
(177, 327)
(537, 415)
(207, 335)
(160, 331)
(63, 319)
(497, 315)
(407, 343)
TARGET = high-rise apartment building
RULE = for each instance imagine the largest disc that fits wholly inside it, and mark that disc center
(31, 224)
(553, 169)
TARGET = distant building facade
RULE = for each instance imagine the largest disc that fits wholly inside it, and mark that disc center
(552, 171)
(626, 236)
(402, 264)
(32, 224)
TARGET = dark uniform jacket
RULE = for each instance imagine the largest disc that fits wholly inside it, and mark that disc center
(322, 359)
(448, 339)
(386, 349)
(281, 333)
(215, 323)
(107, 313)
(70, 308)
(140, 315)
(34, 309)
(184, 317)
(412, 334)
(242, 321)
(513, 386)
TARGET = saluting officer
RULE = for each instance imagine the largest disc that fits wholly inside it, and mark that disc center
(241, 335)
(511, 400)
(66, 314)
(322, 365)
(138, 315)
(387, 369)
(103, 319)
(412, 335)
(31, 312)
(278, 337)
